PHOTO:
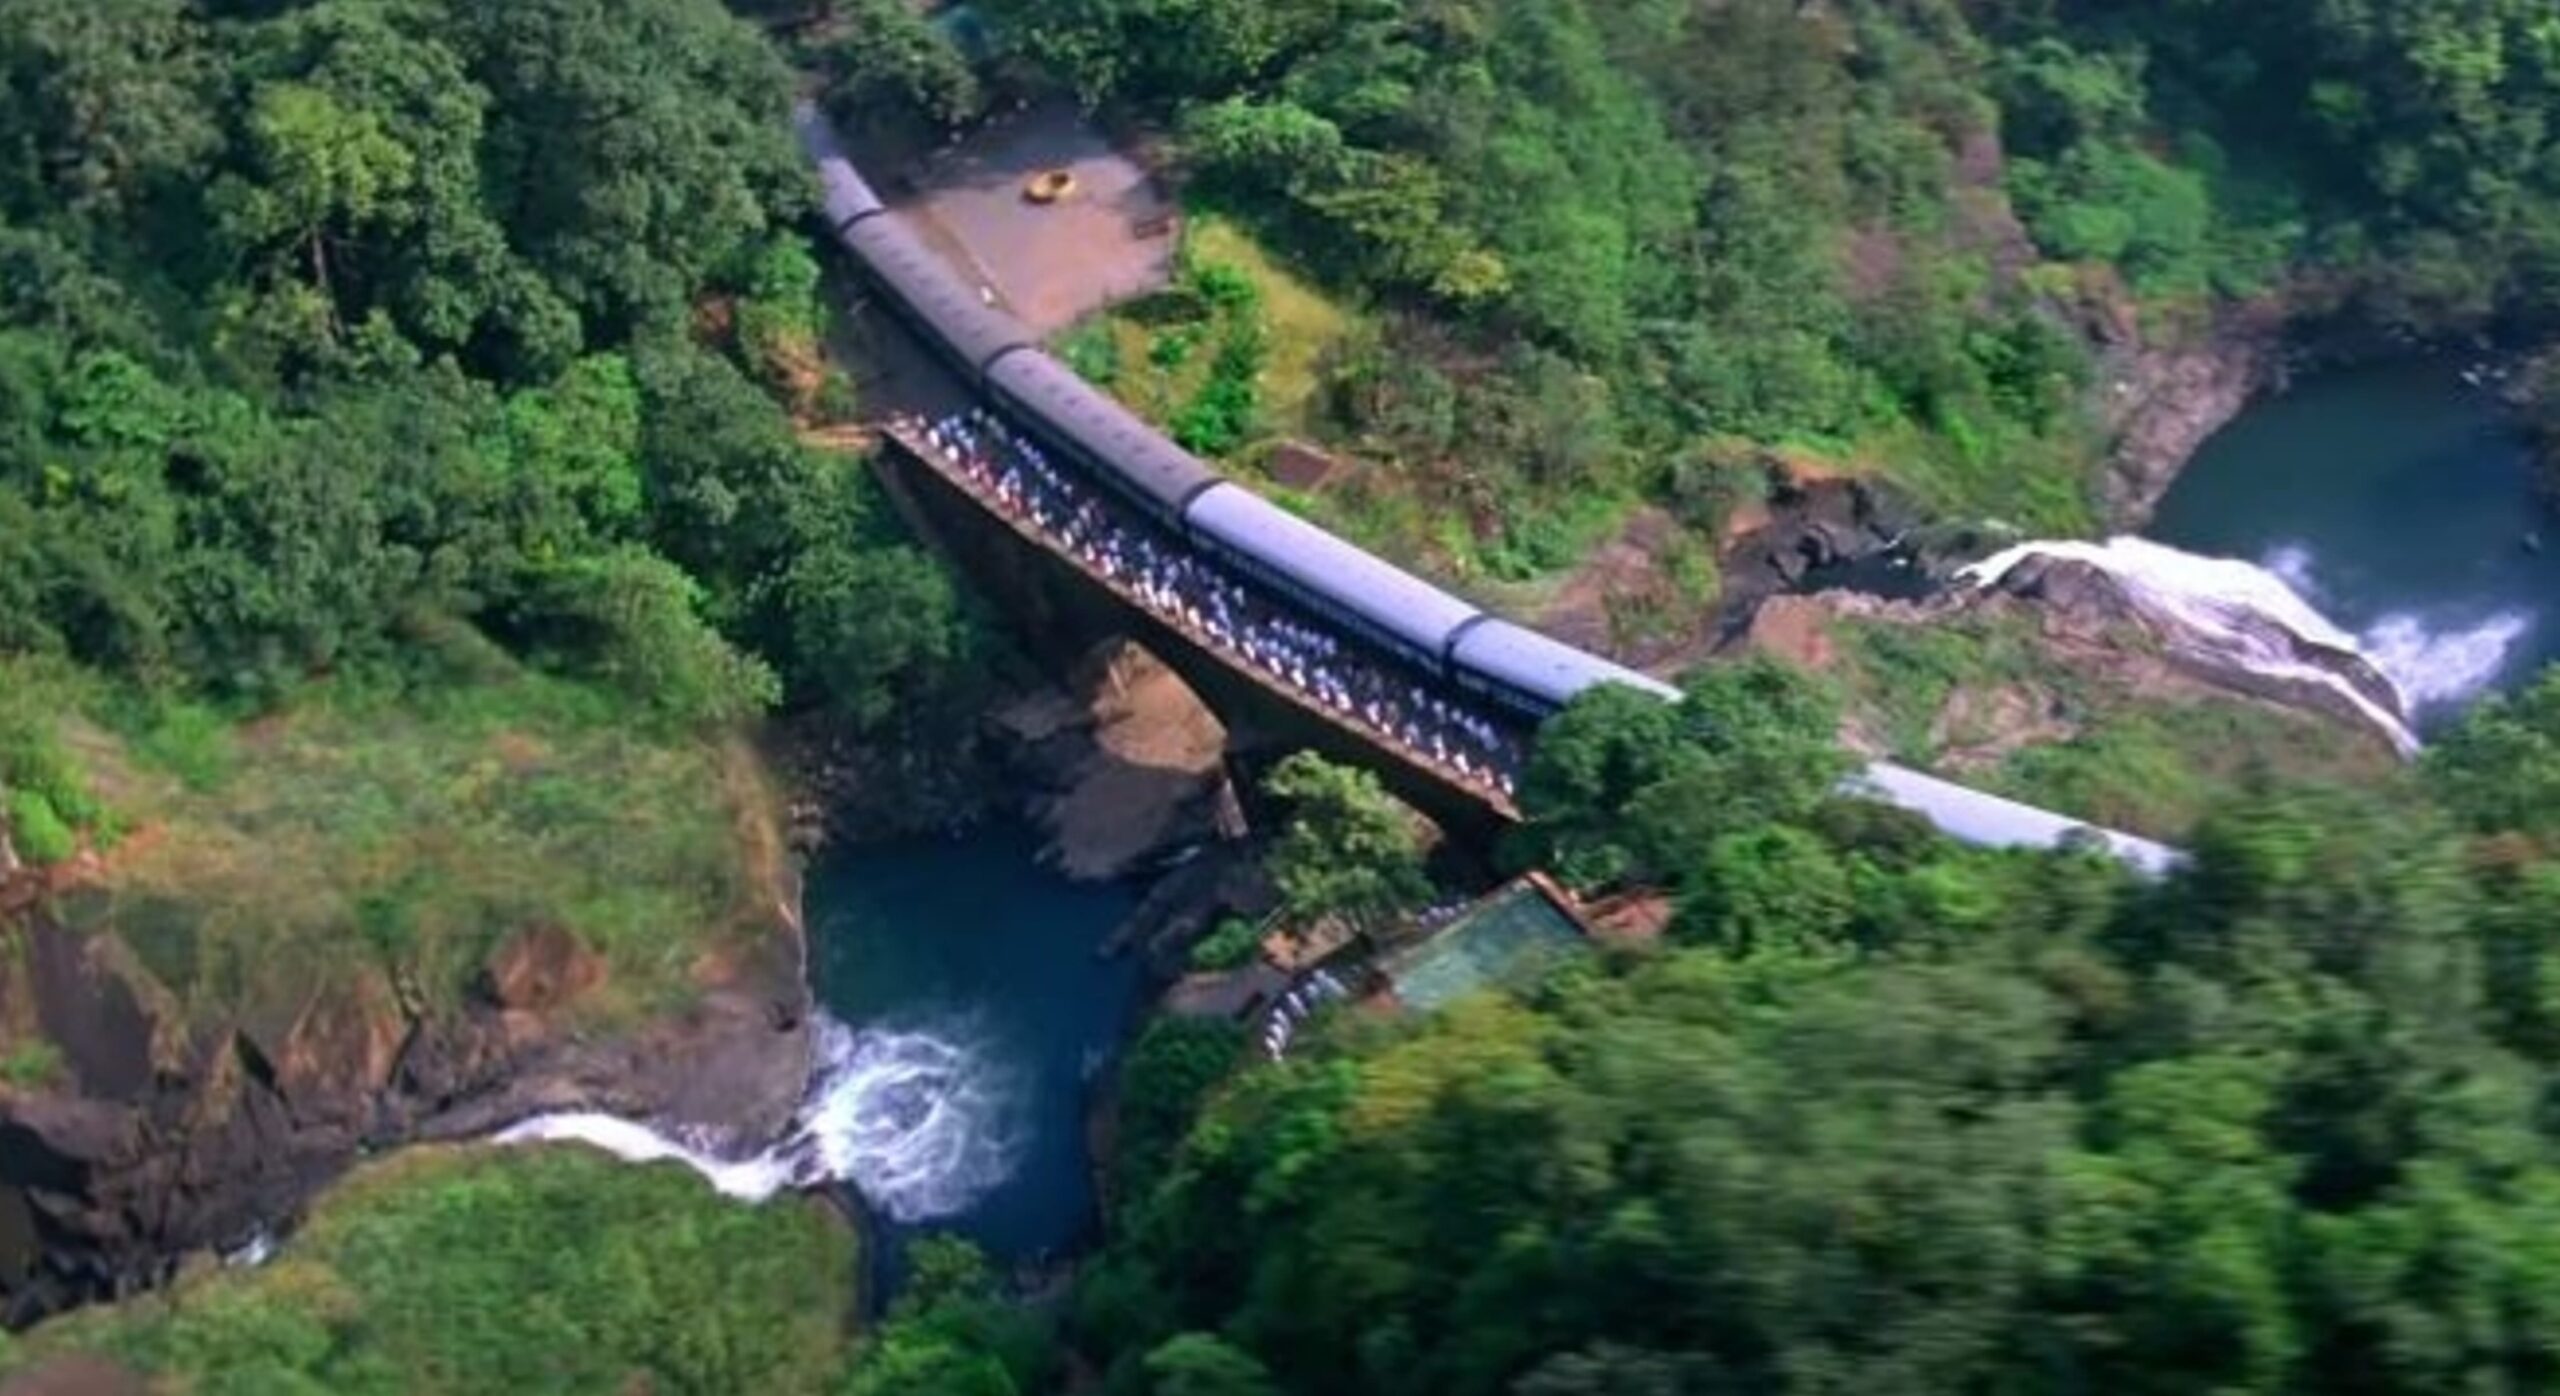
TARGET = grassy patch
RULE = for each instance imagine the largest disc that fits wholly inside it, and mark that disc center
(2103, 751)
(412, 832)
(1301, 321)
(1902, 676)
(445, 1271)
(1162, 354)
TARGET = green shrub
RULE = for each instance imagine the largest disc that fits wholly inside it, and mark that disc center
(1226, 288)
(31, 1065)
(1176, 1062)
(1090, 350)
(1230, 946)
(555, 1270)
(42, 837)
(32, 758)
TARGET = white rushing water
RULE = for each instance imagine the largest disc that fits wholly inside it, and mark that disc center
(919, 1121)
(2256, 617)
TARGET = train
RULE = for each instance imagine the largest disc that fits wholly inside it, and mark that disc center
(1513, 668)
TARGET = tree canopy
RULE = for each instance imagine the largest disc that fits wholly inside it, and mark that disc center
(327, 320)
(1890, 1114)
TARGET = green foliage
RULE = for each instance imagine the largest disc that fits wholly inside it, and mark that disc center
(1199, 1364)
(1348, 849)
(1892, 1114)
(1624, 786)
(949, 1334)
(334, 321)
(1804, 228)
(33, 759)
(885, 58)
(1090, 350)
(1170, 1070)
(1231, 945)
(2500, 769)
(37, 829)
(30, 1065)
(552, 1270)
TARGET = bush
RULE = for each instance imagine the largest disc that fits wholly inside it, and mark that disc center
(1091, 352)
(1230, 946)
(41, 835)
(31, 1065)
(1176, 1063)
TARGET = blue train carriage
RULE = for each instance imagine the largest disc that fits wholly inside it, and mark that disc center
(954, 316)
(1382, 604)
(1098, 435)
(1530, 674)
(844, 196)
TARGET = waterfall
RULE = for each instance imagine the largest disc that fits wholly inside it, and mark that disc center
(918, 1121)
(2225, 612)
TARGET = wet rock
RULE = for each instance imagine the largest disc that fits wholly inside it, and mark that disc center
(1814, 518)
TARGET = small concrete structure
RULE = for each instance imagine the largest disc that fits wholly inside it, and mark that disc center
(1505, 938)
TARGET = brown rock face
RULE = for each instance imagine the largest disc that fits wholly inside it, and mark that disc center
(2161, 400)
(539, 969)
(1130, 763)
(161, 1138)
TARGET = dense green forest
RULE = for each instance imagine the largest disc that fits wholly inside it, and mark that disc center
(1607, 240)
(1887, 1114)
(325, 323)
(427, 370)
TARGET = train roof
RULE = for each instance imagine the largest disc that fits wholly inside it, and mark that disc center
(1109, 434)
(1542, 666)
(1992, 821)
(953, 308)
(842, 191)
(1389, 597)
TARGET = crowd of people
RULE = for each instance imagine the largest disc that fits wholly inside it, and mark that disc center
(1203, 598)
(1296, 1007)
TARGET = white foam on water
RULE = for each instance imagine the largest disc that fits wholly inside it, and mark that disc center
(2291, 564)
(2255, 617)
(2432, 667)
(920, 1121)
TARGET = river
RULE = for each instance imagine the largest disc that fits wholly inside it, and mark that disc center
(963, 1013)
(967, 958)
(2397, 500)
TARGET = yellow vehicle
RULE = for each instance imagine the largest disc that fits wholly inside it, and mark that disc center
(1049, 186)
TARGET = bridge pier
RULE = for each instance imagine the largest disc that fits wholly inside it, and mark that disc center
(1059, 612)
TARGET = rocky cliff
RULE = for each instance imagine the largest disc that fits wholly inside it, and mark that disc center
(2056, 687)
(137, 1130)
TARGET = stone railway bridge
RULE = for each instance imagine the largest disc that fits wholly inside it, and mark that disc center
(1061, 607)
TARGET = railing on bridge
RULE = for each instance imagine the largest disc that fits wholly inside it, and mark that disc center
(1259, 637)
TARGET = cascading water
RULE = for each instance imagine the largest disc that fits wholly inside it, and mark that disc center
(918, 1121)
(2254, 618)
